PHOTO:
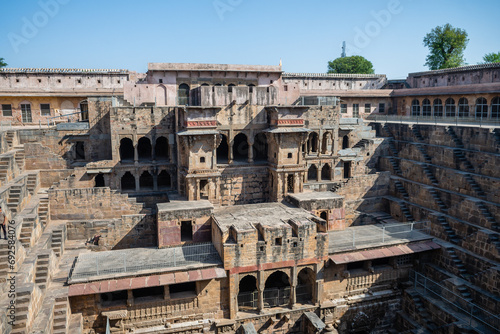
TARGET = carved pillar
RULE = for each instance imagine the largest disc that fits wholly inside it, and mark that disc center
(153, 150)
(320, 142)
(136, 154)
(260, 288)
(335, 143)
(197, 189)
(250, 153)
(318, 174)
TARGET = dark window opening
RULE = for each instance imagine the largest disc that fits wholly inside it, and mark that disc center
(305, 285)
(278, 241)
(438, 108)
(312, 173)
(144, 149)
(347, 169)
(326, 173)
(481, 108)
(202, 159)
(80, 150)
(463, 107)
(450, 107)
(381, 262)
(495, 107)
(6, 110)
(160, 80)
(146, 181)
(260, 147)
(161, 148)
(289, 183)
(45, 109)
(186, 230)
(115, 297)
(222, 150)
(164, 180)
(355, 265)
(128, 181)
(203, 189)
(381, 107)
(355, 110)
(230, 88)
(290, 155)
(323, 215)
(126, 150)
(84, 111)
(313, 142)
(345, 142)
(240, 148)
(415, 108)
(368, 108)
(182, 290)
(325, 143)
(426, 107)
(148, 293)
(99, 181)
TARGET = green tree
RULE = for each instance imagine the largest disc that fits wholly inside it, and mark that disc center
(491, 58)
(2, 63)
(352, 64)
(446, 47)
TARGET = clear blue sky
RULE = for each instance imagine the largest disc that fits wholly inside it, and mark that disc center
(304, 34)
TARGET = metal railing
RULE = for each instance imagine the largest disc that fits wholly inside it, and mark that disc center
(470, 312)
(378, 234)
(274, 297)
(456, 120)
(114, 262)
(65, 115)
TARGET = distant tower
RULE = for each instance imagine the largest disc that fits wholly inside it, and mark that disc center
(343, 50)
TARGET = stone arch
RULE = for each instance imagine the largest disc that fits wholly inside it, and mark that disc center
(223, 150)
(312, 142)
(146, 181)
(126, 149)
(164, 180)
(161, 95)
(248, 293)
(277, 290)
(128, 181)
(312, 173)
(326, 173)
(161, 148)
(99, 181)
(306, 279)
(326, 142)
(495, 107)
(84, 110)
(240, 148)
(144, 149)
(67, 107)
(345, 142)
(183, 95)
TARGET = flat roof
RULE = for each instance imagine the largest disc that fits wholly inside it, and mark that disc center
(98, 266)
(373, 236)
(184, 205)
(315, 195)
(245, 217)
(212, 67)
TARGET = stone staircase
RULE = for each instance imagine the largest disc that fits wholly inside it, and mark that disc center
(32, 183)
(19, 158)
(464, 293)
(406, 212)
(14, 198)
(452, 237)
(393, 148)
(4, 169)
(4, 264)
(362, 144)
(430, 175)
(401, 189)
(453, 135)
(458, 264)
(487, 214)
(28, 302)
(460, 156)
(422, 150)
(423, 315)
(496, 134)
(57, 242)
(9, 138)
(42, 270)
(473, 184)
(27, 228)
(437, 199)
(43, 210)
(61, 315)
(416, 132)
(395, 165)
(495, 241)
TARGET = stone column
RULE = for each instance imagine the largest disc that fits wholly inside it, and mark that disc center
(137, 176)
(166, 292)
(214, 153)
(320, 142)
(230, 153)
(136, 154)
(318, 175)
(293, 287)
(250, 153)
(197, 189)
(130, 298)
(260, 288)
(153, 150)
(155, 181)
(171, 153)
(335, 143)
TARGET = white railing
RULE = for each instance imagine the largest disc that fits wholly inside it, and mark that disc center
(476, 121)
